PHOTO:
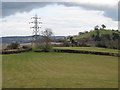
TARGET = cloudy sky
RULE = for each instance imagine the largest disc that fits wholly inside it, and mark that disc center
(64, 18)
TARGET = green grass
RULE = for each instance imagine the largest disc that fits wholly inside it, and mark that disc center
(36, 49)
(85, 35)
(102, 32)
(97, 49)
(59, 70)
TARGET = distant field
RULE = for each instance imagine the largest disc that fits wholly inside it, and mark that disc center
(97, 49)
(102, 32)
(59, 70)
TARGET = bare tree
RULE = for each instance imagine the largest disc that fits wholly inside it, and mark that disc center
(45, 42)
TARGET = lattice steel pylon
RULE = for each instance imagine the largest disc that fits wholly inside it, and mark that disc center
(35, 27)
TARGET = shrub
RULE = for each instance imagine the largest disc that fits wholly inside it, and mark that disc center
(13, 45)
(25, 47)
(99, 44)
(66, 44)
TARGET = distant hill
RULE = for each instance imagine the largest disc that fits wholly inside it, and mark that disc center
(89, 34)
(22, 39)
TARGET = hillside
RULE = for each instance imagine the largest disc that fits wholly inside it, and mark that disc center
(102, 32)
(22, 39)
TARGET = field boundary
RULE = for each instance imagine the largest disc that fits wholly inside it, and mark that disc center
(64, 51)
(17, 51)
(86, 52)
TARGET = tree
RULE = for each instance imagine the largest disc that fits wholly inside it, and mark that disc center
(96, 27)
(106, 37)
(97, 37)
(86, 31)
(45, 42)
(71, 38)
(93, 36)
(103, 26)
(80, 33)
(115, 36)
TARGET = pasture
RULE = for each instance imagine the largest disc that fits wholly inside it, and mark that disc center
(96, 49)
(59, 70)
(102, 32)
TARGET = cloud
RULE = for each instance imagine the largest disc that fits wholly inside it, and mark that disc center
(10, 8)
(61, 19)
(109, 7)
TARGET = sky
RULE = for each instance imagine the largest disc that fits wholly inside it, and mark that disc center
(64, 18)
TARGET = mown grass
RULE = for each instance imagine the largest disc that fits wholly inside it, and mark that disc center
(97, 49)
(59, 70)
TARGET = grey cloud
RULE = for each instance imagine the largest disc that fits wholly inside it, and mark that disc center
(10, 8)
(119, 11)
(109, 11)
(112, 14)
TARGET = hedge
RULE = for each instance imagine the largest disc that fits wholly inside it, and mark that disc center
(86, 52)
(17, 51)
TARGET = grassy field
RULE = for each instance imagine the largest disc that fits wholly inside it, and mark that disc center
(97, 49)
(102, 32)
(59, 70)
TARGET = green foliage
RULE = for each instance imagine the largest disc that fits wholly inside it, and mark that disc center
(73, 42)
(71, 38)
(66, 44)
(99, 44)
(106, 36)
(115, 36)
(97, 38)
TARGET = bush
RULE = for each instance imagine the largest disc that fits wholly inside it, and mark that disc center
(13, 45)
(66, 44)
(40, 44)
(25, 47)
(115, 36)
(101, 45)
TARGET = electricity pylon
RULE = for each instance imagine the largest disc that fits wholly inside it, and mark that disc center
(36, 27)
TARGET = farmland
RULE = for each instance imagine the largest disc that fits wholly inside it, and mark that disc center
(59, 44)
(97, 49)
(59, 70)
